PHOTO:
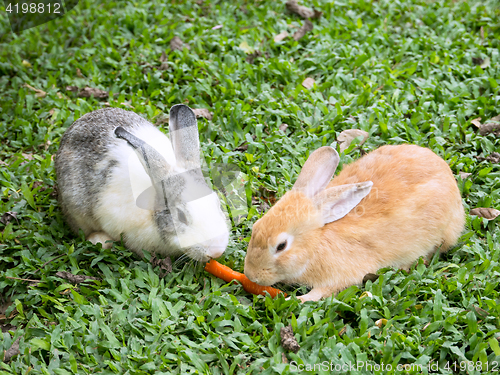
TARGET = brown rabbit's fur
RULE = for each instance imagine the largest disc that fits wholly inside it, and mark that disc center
(413, 208)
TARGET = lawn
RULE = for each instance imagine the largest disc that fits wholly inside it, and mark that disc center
(409, 71)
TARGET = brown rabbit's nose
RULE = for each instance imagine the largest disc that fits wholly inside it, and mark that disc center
(248, 273)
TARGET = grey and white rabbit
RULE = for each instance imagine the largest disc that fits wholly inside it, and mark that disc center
(118, 175)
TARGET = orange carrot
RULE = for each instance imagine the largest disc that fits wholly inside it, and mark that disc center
(227, 274)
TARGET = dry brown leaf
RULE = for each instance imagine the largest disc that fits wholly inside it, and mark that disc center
(381, 322)
(203, 112)
(176, 44)
(464, 175)
(280, 36)
(288, 341)
(425, 327)
(161, 119)
(486, 63)
(38, 93)
(283, 127)
(477, 122)
(303, 30)
(487, 213)
(477, 60)
(12, 351)
(491, 127)
(242, 148)
(164, 61)
(301, 10)
(494, 157)
(7, 217)
(165, 265)
(251, 57)
(346, 137)
(482, 312)
(308, 83)
(5, 303)
(76, 279)
(88, 92)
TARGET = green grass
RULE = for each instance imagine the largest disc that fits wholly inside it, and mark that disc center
(404, 71)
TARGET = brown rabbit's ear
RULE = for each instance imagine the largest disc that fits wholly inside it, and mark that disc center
(317, 171)
(336, 202)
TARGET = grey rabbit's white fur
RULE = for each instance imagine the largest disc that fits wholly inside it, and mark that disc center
(118, 175)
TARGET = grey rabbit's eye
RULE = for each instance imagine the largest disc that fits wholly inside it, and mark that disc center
(182, 217)
(281, 246)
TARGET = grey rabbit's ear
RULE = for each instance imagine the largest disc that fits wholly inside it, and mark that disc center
(153, 162)
(183, 132)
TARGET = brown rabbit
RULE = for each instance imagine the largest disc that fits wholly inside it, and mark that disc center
(389, 208)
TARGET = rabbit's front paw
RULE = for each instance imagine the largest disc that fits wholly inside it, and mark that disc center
(103, 238)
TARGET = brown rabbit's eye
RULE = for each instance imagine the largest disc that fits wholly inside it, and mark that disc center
(182, 217)
(281, 246)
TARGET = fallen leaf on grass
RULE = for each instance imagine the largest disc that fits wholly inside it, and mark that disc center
(176, 44)
(87, 92)
(260, 206)
(12, 351)
(303, 30)
(250, 58)
(308, 83)
(494, 157)
(203, 112)
(425, 327)
(483, 313)
(164, 264)
(487, 213)
(491, 127)
(483, 63)
(283, 127)
(38, 93)
(381, 322)
(161, 119)
(346, 137)
(163, 57)
(477, 60)
(280, 36)
(8, 216)
(243, 147)
(301, 10)
(76, 279)
(288, 341)
(72, 88)
(26, 63)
